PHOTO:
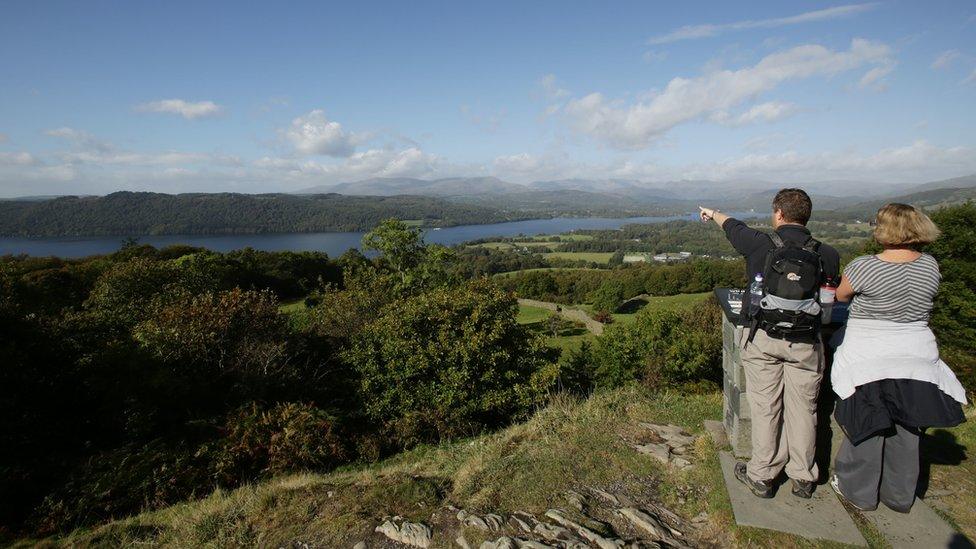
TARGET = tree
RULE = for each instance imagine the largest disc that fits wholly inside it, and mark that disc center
(402, 246)
(417, 265)
(954, 316)
(237, 335)
(449, 362)
(608, 296)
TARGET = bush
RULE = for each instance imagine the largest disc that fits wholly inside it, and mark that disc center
(226, 331)
(661, 348)
(288, 437)
(608, 296)
(954, 316)
(449, 362)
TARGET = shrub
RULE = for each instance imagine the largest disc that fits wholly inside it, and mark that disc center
(287, 437)
(235, 339)
(449, 362)
(661, 348)
(608, 296)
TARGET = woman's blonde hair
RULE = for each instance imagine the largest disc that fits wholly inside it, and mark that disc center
(903, 225)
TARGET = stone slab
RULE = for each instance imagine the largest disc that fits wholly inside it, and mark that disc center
(716, 429)
(821, 517)
(922, 527)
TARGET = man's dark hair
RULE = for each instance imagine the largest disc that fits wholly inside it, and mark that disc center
(795, 205)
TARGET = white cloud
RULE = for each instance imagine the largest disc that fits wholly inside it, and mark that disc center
(186, 109)
(971, 78)
(691, 32)
(636, 126)
(919, 161)
(3, 138)
(80, 139)
(550, 85)
(517, 163)
(763, 112)
(945, 59)
(17, 159)
(873, 79)
(312, 133)
(410, 162)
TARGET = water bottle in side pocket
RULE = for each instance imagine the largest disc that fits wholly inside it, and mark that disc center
(755, 295)
(828, 294)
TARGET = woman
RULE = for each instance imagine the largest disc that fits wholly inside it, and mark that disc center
(886, 369)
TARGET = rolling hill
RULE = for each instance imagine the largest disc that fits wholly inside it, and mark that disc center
(130, 213)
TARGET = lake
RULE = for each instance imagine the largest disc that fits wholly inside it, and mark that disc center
(333, 244)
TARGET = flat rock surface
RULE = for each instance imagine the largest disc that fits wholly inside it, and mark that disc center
(922, 527)
(716, 429)
(821, 517)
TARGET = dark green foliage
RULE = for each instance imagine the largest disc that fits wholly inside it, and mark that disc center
(128, 213)
(580, 286)
(608, 296)
(661, 348)
(576, 373)
(148, 376)
(954, 317)
(448, 363)
(290, 436)
(475, 261)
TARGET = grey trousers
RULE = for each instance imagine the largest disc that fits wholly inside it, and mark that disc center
(782, 383)
(884, 465)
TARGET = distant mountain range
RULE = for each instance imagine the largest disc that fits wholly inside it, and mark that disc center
(566, 195)
(439, 202)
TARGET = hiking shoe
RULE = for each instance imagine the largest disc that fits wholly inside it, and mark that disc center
(802, 488)
(835, 486)
(762, 489)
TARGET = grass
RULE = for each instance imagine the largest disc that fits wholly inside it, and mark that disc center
(526, 467)
(516, 273)
(626, 313)
(569, 335)
(953, 472)
(530, 315)
(595, 257)
(570, 444)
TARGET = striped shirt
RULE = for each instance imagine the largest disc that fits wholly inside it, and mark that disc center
(899, 292)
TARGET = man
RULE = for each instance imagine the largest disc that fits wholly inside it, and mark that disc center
(783, 373)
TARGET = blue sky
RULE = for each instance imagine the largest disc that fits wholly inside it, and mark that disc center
(260, 97)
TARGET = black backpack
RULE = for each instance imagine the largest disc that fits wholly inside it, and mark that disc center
(791, 286)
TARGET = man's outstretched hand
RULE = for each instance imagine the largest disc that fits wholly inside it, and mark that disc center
(709, 214)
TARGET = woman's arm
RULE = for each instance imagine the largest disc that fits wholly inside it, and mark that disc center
(844, 292)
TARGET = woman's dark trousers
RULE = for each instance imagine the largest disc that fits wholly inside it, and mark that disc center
(884, 465)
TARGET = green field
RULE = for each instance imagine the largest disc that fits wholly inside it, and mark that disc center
(514, 273)
(530, 315)
(595, 257)
(680, 302)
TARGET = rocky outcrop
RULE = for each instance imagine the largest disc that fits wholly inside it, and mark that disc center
(407, 533)
(592, 518)
(669, 444)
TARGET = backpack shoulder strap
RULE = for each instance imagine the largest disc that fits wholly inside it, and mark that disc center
(812, 244)
(777, 239)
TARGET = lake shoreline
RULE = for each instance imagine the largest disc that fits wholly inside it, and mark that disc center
(332, 243)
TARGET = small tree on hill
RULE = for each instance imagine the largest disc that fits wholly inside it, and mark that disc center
(608, 296)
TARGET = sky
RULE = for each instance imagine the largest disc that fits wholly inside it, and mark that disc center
(97, 97)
